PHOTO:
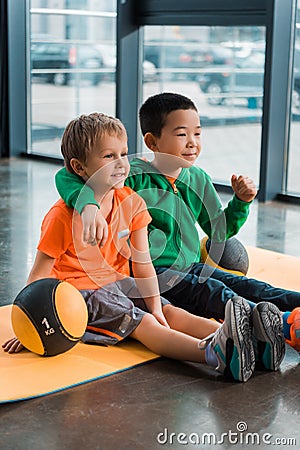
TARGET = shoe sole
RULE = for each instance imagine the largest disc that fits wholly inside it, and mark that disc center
(268, 330)
(242, 362)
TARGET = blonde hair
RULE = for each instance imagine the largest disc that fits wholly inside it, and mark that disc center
(82, 133)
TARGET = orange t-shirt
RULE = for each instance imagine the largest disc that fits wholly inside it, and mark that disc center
(86, 266)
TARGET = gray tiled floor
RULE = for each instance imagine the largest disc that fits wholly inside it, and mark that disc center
(129, 410)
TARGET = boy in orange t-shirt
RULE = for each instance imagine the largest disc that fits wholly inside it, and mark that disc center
(95, 148)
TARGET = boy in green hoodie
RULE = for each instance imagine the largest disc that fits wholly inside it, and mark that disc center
(180, 196)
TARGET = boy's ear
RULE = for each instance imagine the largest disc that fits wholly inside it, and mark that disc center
(150, 141)
(77, 166)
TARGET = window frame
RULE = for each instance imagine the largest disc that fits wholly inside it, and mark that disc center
(132, 15)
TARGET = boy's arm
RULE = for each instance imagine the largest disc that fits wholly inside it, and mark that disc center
(42, 267)
(144, 273)
(218, 223)
(74, 192)
(80, 196)
(95, 228)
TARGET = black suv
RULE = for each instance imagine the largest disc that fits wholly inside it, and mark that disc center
(57, 63)
(243, 76)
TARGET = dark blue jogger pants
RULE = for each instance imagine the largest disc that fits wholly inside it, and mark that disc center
(204, 291)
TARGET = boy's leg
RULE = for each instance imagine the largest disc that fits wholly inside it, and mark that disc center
(187, 291)
(185, 322)
(230, 346)
(252, 289)
(268, 338)
(167, 342)
(255, 291)
(207, 297)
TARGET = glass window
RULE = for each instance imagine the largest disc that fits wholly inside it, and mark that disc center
(72, 66)
(293, 180)
(222, 70)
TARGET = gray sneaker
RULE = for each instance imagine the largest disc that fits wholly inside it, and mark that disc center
(268, 338)
(232, 342)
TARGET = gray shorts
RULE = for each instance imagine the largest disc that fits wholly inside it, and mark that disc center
(114, 312)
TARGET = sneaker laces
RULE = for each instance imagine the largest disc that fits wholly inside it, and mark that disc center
(203, 343)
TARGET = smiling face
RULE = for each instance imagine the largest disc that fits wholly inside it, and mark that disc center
(106, 166)
(180, 137)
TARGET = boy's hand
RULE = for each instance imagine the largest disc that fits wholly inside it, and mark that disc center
(159, 316)
(95, 229)
(13, 345)
(244, 188)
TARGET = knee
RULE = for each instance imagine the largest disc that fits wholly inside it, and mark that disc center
(148, 320)
(172, 313)
(144, 331)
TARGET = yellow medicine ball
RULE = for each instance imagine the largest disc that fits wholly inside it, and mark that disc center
(49, 316)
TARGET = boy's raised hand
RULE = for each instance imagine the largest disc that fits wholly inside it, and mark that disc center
(95, 229)
(244, 188)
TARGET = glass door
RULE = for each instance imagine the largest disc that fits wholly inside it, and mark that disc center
(72, 55)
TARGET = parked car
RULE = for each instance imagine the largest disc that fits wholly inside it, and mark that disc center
(177, 58)
(216, 55)
(108, 52)
(50, 57)
(184, 61)
(243, 77)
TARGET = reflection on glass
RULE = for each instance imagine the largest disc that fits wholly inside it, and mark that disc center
(222, 70)
(72, 66)
(293, 180)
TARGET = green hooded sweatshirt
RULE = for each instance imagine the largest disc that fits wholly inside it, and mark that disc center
(177, 210)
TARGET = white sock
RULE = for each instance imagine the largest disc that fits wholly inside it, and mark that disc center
(211, 357)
